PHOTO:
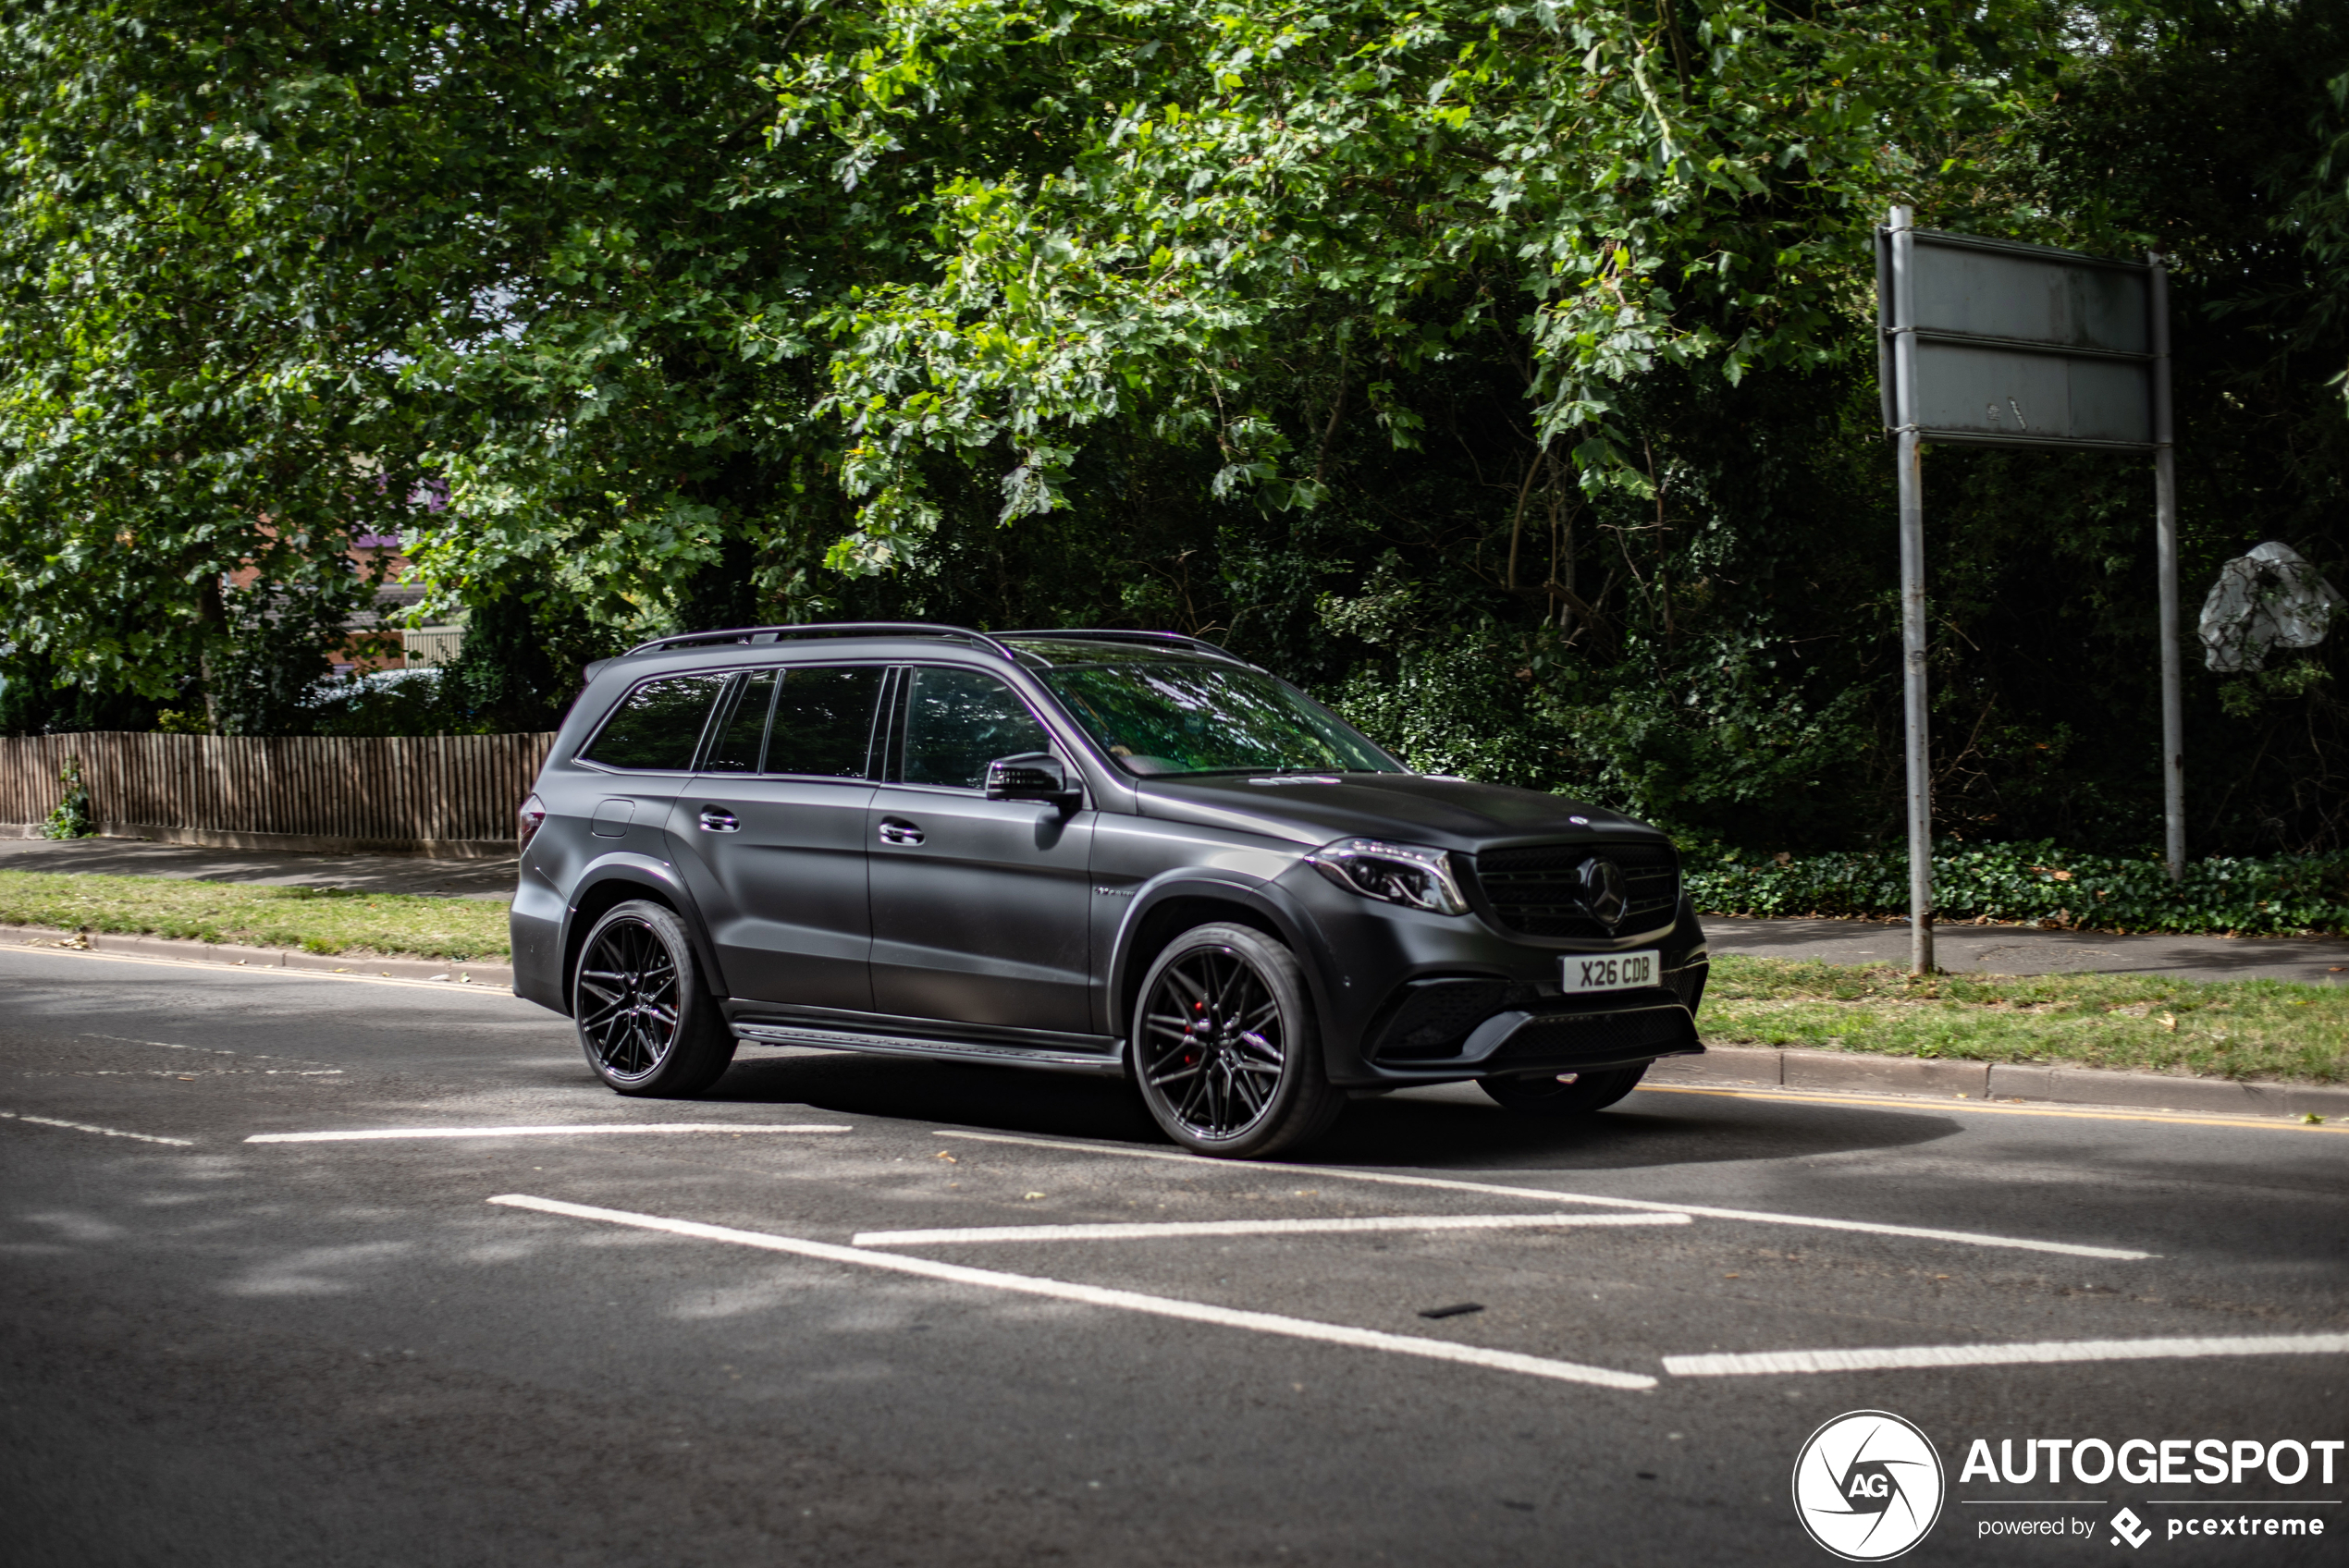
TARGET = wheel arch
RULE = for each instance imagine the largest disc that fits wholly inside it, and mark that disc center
(1166, 910)
(616, 884)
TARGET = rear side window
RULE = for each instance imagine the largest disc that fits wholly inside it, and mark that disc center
(959, 720)
(658, 726)
(736, 748)
(823, 718)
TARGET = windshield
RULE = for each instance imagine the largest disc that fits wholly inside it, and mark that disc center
(1161, 716)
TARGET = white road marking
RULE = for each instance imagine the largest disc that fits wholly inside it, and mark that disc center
(1545, 1194)
(374, 1134)
(209, 1050)
(1145, 1232)
(1095, 1295)
(1779, 1361)
(102, 1131)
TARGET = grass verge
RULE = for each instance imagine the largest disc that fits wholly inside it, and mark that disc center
(2243, 1029)
(317, 920)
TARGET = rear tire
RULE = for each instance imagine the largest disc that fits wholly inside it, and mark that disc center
(1225, 1048)
(647, 1022)
(1546, 1094)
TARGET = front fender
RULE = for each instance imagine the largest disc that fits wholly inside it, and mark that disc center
(1139, 934)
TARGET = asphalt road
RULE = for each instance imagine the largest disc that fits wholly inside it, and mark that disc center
(218, 1350)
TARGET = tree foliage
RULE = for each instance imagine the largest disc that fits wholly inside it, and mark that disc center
(1250, 226)
(1502, 372)
(199, 301)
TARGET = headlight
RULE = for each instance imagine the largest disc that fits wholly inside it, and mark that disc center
(1410, 875)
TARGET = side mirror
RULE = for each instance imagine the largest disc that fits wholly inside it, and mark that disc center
(1031, 776)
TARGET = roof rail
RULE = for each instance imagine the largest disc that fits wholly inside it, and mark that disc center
(1105, 634)
(825, 629)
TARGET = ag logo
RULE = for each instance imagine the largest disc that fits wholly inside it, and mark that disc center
(1867, 1486)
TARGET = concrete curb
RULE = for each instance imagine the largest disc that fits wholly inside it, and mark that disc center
(486, 975)
(1854, 1072)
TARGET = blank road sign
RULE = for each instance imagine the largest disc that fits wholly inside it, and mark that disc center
(2012, 396)
(2024, 346)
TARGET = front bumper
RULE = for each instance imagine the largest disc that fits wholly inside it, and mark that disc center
(1416, 997)
(1513, 1030)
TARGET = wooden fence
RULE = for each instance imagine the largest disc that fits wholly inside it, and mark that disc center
(450, 793)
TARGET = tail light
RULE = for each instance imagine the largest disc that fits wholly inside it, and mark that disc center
(531, 816)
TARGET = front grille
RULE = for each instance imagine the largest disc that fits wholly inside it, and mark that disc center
(1569, 1039)
(1538, 891)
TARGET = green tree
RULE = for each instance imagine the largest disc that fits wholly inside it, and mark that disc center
(1259, 224)
(200, 298)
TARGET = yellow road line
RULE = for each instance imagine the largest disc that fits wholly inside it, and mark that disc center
(1829, 1096)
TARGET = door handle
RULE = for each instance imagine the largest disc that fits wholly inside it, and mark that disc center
(897, 830)
(718, 819)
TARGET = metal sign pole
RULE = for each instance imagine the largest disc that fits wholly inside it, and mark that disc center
(2165, 545)
(1904, 360)
(1991, 342)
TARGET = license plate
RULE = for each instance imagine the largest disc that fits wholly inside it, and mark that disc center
(1611, 972)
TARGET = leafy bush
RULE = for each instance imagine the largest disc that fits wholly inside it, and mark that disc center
(2037, 883)
(74, 816)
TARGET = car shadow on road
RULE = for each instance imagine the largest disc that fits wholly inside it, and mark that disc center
(1419, 1130)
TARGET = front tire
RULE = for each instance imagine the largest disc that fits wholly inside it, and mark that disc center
(1564, 1094)
(1225, 1048)
(647, 1022)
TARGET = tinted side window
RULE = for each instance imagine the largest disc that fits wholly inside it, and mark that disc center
(736, 749)
(959, 720)
(658, 725)
(823, 718)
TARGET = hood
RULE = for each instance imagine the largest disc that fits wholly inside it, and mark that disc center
(1445, 814)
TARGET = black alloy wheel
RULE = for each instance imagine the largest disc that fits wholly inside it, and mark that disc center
(1225, 1048)
(1564, 1094)
(645, 1021)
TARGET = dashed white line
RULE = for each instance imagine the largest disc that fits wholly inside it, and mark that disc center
(1144, 1230)
(1546, 1195)
(1094, 1296)
(372, 1134)
(1767, 1363)
(102, 1131)
(211, 1050)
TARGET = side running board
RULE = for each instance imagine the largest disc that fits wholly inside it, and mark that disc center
(948, 1050)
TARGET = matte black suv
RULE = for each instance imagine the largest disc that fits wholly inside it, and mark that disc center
(1116, 853)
